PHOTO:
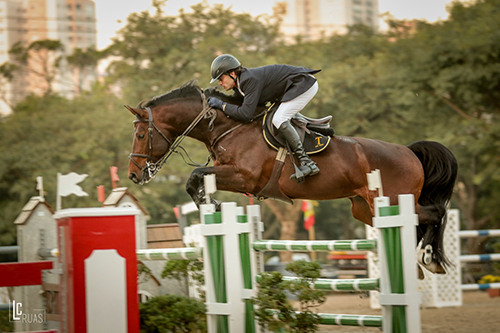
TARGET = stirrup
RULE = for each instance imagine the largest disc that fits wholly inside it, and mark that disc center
(306, 169)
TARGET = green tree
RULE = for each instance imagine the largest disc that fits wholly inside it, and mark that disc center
(159, 52)
(40, 58)
(172, 313)
(49, 134)
(275, 312)
(85, 63)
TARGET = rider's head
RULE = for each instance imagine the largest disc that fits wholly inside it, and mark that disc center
(225, 68)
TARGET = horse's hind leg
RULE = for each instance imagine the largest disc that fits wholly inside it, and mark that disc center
(361, 210)
(430, 233)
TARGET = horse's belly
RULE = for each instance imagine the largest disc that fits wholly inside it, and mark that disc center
(344, 168)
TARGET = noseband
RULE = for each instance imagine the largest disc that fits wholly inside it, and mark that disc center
(154, 167)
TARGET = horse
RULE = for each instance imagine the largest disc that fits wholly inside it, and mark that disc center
(243, 163)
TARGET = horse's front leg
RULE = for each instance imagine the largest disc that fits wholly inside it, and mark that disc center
(195, 187)
(228, 178)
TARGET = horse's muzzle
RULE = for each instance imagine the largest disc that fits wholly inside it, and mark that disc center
(133, 177)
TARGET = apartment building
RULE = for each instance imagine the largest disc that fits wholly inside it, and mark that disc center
(72, 22)
(313, 19)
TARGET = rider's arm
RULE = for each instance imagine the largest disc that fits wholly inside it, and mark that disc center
(251, 87)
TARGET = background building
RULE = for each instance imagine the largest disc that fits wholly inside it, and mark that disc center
(313, 19)
(72, 22)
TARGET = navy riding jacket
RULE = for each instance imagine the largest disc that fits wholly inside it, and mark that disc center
(269, 83)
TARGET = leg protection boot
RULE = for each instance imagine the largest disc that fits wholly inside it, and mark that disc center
(307, 166)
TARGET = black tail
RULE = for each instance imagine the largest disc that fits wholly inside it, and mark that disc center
(440, 170)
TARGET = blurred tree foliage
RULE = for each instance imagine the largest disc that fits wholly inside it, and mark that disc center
(418, 81)
(157, 53)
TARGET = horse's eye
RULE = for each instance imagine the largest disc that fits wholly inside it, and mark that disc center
(141, 136)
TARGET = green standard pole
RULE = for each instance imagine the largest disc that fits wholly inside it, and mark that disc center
(216, 253)
(392, 243)
(247, 275)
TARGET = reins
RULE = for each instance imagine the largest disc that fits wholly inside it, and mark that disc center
(154, 167)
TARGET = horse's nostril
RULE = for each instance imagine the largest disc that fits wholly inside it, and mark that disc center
(132, 176)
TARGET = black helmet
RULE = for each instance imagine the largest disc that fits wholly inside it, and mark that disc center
(222, 65)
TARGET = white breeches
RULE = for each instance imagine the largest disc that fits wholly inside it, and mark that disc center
(289, 109)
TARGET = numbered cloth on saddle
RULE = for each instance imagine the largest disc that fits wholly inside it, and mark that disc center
(307, 128)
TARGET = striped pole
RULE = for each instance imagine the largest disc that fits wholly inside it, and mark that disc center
(350, 320)
(478, 233)
(184, 253)
(482, 286)
(480, 257)
(344, 319)
(299, 246)
(341, 284)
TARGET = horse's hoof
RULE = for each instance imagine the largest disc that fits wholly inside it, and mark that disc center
(440, 269)
(421, 274)
(424, 258)
(217, 204)
(426, 254)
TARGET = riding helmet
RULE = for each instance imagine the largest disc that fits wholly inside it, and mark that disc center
(223, 64)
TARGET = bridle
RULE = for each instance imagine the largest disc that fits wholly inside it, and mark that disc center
(154, 167)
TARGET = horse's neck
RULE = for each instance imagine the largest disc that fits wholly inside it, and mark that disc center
(209, 127)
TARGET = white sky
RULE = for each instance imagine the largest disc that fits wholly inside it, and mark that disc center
(109, 12)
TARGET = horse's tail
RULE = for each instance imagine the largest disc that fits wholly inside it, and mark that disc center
(440, 171)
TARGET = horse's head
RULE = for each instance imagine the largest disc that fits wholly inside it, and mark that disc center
(176, 114)
(149, 146)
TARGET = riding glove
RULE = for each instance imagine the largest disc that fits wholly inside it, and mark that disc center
(216, 103)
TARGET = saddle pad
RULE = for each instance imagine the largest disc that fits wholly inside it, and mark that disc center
(313, 142)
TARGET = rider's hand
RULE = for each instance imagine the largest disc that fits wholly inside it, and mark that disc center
(216, 103)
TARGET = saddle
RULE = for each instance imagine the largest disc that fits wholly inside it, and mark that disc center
(315, 135)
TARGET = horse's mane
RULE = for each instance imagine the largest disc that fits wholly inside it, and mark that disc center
(191, 89)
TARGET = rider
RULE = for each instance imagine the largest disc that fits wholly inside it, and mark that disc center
(293, 86)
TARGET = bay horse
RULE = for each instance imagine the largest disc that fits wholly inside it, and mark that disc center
(243, 162)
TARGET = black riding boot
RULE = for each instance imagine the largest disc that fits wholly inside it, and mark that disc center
(307, 166)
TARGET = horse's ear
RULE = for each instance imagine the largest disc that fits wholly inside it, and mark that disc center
(135, 112)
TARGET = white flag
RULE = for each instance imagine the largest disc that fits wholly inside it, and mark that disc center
(66, 184)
